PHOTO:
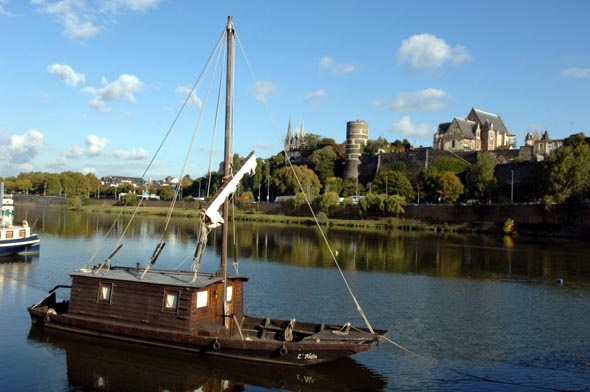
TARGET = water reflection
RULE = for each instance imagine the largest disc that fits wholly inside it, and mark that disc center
(451, 255)
(102, 365)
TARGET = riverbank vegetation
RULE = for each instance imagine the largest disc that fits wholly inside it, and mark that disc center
(317, 178)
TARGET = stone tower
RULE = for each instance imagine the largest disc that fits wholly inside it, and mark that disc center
(357, 135)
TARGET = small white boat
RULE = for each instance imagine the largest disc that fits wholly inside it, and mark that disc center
(14, 238)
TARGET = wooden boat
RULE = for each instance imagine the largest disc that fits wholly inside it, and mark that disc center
(192, 311)
(98, 364)
(14, 238)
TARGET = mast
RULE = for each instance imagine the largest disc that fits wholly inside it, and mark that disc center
(227, 159)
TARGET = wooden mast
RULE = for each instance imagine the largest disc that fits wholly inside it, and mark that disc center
(226, 161)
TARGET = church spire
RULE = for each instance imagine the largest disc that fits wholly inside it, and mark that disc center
(288, 137)
(302, 132)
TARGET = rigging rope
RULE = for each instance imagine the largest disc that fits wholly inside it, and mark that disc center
(356, 302)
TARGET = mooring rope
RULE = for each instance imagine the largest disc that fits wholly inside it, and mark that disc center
(436, 363)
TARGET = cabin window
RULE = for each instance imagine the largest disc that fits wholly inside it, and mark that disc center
(22, 233)
(202, 298)
(171, 300)
(104, 292)
(229, 293)
(9, 234)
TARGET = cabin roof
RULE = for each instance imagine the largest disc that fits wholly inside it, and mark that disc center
(154, 276)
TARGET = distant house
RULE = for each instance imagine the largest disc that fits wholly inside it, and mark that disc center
(543, 146)
(479, 131)
(117, 181)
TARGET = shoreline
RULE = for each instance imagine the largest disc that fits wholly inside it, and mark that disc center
(430, 218)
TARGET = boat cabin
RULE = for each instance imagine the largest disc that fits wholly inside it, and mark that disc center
(164, 300)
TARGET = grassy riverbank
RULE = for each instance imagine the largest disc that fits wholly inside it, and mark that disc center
(389, 223)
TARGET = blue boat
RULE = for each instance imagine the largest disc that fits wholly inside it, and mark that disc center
(14, 238)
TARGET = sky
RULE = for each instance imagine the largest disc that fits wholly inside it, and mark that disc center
(95, 86)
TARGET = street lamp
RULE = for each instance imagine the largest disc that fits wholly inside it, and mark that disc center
(512, 187)
(268, 189)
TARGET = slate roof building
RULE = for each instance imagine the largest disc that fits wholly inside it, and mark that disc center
(479, 131)
(543, 146)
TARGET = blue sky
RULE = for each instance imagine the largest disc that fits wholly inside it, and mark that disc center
(93, 86)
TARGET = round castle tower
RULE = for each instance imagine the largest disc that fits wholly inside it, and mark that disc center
(357, 135)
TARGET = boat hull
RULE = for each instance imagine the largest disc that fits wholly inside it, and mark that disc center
(302, 353)
(10, 247)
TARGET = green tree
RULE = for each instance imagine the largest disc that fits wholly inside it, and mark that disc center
(374, 146)
(393, 182)
(451, 164)
(285, 181)
(166, 193)
(324, 161)
(450, 186)
(428, 182)
(93, 183)
(480, 177)
(568, 172)
(352, 187)
(395, 204)
(328, 200)
(333, 184)
(130, 199)
(246, 198)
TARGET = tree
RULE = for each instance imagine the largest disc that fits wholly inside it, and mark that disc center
(285, 181)
(324, 161)
(246, 198)
(568, 172)
(328, 200)
(393, 183)
(480, 176)
(351, 187)
(450, 186)
(93, 183)
(395, 204)
(333, 184)
(166, 193)
(374, 146)
(450, 164)
(130, 199)
(428, 182)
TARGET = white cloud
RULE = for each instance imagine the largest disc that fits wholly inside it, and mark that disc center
(121, 90)
(96, 145)
(66, 73)
(77, 19)
(135, 154)
(336, 68)
(193, 98)
(24, 148)
(429, 51)
(315, 95)
(421, 100)
(406, 128)
(83, 20)
(88, 170)
(133, 5)
(264, 88)
(20, 150)
(575, 73)
(4, 11)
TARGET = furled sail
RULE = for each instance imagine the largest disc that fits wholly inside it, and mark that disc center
(213, 217)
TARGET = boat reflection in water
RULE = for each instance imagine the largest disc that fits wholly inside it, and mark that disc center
(104, 365)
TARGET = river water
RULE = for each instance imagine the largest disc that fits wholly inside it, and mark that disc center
(466, 312)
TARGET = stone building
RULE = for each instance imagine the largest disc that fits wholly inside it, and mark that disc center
(294, 140)
(357, 136)
(542, 145)
(479, 131)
